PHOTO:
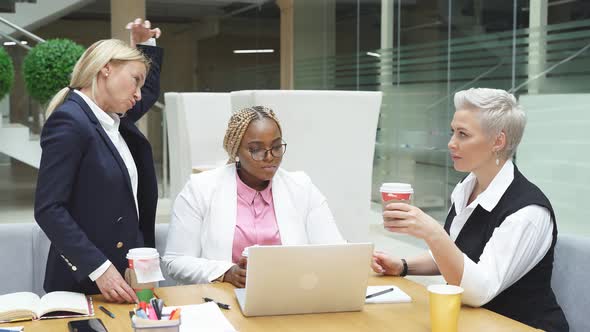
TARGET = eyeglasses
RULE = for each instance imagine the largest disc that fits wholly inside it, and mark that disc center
(275, 151)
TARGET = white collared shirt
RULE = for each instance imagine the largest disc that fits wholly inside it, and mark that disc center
(515, 247)
(110, 123)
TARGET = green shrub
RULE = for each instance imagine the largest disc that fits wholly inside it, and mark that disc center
(6, 73)
(48, 67)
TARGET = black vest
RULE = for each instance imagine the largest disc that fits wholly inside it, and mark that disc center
(530, 300)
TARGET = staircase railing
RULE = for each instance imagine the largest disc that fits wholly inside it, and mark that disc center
(21, 30)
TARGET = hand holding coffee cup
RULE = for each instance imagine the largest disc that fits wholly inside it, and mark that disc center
(399, 216)
(143, 271)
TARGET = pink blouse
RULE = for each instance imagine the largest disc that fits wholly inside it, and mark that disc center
(256, 222)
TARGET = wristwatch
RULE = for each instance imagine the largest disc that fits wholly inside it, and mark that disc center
(405, 269)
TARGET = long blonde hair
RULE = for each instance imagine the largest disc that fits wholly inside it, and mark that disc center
(86, 70)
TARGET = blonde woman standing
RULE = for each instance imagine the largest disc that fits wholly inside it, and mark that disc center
(96, 190)
(247, 202)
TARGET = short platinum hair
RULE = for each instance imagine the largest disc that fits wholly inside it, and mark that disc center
(498, 112)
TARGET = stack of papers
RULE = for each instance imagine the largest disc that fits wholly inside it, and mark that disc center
(201, 317)
(395, 296)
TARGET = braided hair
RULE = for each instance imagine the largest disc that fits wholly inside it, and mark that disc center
(238, 123)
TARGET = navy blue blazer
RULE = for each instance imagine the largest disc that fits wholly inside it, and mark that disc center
(84, 200)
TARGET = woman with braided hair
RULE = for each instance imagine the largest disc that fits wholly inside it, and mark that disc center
(249, 201)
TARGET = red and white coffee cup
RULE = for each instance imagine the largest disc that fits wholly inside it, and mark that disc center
(144, 264)
(141, 255)
(396, 192)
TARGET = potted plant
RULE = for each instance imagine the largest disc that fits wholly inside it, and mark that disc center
(6, 73)
(48, 66)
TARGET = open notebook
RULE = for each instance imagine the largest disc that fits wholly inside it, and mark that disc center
(26, 306)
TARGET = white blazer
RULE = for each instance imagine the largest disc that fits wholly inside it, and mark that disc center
(201, 232)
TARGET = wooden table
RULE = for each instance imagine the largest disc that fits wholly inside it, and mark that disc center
(412, 316)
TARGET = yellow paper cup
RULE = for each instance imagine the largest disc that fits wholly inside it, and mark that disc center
(445, 304)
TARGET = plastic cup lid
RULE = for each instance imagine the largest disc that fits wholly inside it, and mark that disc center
(393, 187)
(142, 253)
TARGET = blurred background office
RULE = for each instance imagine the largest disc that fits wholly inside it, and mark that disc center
(417, 52)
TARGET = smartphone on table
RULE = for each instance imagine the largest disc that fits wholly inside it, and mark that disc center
(87, 325)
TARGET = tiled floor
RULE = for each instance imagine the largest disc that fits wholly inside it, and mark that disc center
(17, 191)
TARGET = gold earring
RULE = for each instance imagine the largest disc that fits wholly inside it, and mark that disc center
(497, 159)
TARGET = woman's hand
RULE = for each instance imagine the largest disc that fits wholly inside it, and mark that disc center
(114, 288)
(382, 263)
(408, 219)
(141, 31)
(236, 275)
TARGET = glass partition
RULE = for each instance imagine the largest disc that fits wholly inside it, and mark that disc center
(420, 52)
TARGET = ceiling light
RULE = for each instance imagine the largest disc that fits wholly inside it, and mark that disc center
(254, 51)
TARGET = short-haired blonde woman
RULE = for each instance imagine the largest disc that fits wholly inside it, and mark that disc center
(249, 201)
(96, 190)
(499, 236)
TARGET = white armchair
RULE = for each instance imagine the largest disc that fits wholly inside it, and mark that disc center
(330, 136)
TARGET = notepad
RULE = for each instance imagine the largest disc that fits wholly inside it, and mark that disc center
(202, 317)
(395, 296)
(26, 306)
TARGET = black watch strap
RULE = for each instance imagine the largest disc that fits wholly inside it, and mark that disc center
(405, 269)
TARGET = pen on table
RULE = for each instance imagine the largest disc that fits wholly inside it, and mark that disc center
(219, 304)
(379, 293)
(106, 311)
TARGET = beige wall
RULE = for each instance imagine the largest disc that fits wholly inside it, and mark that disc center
(219, 69)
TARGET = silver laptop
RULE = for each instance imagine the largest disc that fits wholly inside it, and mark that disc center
(303, 279)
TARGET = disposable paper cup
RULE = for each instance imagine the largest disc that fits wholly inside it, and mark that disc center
(143, 290)
(396, 192)
(141, 253)
(445, 305)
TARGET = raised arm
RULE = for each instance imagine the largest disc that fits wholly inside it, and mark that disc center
(141, 32)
